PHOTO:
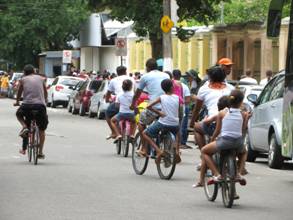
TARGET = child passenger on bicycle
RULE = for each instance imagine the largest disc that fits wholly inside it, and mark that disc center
(125, 113)
(230, 126)
(169, 117)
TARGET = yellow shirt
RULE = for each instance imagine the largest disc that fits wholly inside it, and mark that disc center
(5, 82)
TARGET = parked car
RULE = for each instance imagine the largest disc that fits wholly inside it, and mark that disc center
(80, 99)
(265, 126)
(49, 82)
(13, 85)
(247, 90)
(98, 103)
(60, 89)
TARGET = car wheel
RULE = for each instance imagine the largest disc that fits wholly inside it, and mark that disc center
(251, 154)
(81, 110)
(100, 114)
(69, 107)
(53, 104)
(65, 105)
(74, 110)
(275, 159)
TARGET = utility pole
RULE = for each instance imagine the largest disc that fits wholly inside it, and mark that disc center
(167, 39)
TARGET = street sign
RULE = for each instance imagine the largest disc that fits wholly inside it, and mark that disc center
(67, 56)
(121, 46)
(166, 24)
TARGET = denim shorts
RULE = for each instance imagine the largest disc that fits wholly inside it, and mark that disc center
(112, 110)
(227, 143)
(125, 116)
(154, 129)
(208, 129)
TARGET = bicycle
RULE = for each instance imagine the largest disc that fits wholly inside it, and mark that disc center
(166, 167)
(126, 140)
(226, 163)
(34, 139)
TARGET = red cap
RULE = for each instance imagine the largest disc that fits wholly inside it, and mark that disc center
(225, 61)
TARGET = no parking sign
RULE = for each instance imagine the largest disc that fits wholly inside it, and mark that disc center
(121, 46)
(67, 56)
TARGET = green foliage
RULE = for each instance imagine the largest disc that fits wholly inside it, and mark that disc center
(28, 27)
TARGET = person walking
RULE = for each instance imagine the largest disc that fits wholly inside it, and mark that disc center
(4, 85)
(269, 75)
(248, 77)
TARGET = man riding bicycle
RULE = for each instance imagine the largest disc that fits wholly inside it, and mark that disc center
(34, 92)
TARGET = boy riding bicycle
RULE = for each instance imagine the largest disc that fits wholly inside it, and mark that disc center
(168, 118)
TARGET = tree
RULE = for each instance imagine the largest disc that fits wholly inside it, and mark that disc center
(31, 26)
(146, 15)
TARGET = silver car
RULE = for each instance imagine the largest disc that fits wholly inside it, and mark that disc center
(98, 105)
(265, 125)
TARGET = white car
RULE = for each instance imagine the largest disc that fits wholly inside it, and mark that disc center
(247, 90)
(60, 90)
(98, 105)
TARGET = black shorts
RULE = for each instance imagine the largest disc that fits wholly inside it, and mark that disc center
(25, 112)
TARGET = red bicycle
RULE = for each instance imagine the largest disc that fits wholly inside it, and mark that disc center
(124, 142)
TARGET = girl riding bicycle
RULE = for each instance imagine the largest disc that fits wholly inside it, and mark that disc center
(230, 127)
(125, 113)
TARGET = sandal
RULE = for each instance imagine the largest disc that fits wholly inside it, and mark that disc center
(41, 156)
(110, 137)
(21, 151)
(215, 179)
(24, 132)
(177, 158)
(119, 137)
(141, 153)
(241, 180)
(197, 185)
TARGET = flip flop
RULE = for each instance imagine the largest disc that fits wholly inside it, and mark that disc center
(197, 185)
(141, 153)
(110, 137)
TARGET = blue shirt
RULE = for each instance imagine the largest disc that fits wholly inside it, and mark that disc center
(151, 83)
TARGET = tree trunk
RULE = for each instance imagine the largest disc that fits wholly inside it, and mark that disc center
(157, 46)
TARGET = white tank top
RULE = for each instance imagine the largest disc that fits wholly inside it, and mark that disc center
(232, 123)
(170, 106)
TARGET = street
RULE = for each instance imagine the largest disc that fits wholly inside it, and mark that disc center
(83, 178)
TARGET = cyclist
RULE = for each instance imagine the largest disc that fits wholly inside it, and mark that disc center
(169, 116)
(34, 92)
(125, 113)
(115, 88)
(151, 82)
(231, 125)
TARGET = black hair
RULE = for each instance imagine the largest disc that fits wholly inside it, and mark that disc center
(127, 85)
(176, 74)
(167, 85)
(28, 69)
(169, 73)
(151, 64)
(236, 97)
(224, 102)
(216, 74)
(121, 70)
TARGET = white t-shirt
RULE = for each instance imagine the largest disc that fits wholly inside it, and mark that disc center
(125, 100)
(211, 96)
(263, 82)
(115, 85)
(249, 80)
(186, 90)
(170, 106)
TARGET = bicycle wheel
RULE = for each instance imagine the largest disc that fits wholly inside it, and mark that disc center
(29, 152)
(228, 173)
(118, 146)
(139, 163)
(35, 144)
(211, 191)
(127, 144)
(167, 165)
(124, 145)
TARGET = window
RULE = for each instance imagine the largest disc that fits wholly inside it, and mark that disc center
(278, 89)
(265, 95)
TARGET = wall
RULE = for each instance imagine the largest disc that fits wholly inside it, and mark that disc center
(108, 59)
(90, 58)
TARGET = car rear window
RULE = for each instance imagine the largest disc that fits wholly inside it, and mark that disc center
(95, 85)
(69, 82)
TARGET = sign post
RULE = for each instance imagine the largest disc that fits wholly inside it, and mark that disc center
(121, 48)
(67, 56)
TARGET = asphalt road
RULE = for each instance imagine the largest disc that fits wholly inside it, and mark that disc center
(83, 178)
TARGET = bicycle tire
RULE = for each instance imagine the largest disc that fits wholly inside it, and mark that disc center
(228, 173)
(29, 153)
(211, 191)
(118, 147)
(139, 163)
(126, 150)
(166, 167)
(35, 144)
